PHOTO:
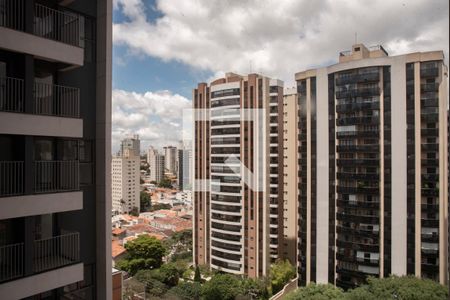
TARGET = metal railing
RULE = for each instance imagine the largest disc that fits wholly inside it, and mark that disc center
(11, 94)
(11, 261)
(56, 252)
(56, 25)
(11, 14)
(48, 99)
(57, 100)
(56, 176)
(11, 178)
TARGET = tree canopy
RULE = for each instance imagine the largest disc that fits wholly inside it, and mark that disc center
(221, 287)
(393, 287)
(317, 292)
(165, 183)
(146, 202)
(186, 291)
(144, 252)
(280, 273)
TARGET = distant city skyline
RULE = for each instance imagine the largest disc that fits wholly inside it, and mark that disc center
(153, 81)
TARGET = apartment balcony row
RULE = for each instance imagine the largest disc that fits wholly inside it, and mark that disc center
(347, 108)
(47, 99)
(55, 34)
(27, 269)
(47, 254)
(50, 110)
(358, 148)
(369, 120)
(359, 92)
(53, 187)
(343, 79)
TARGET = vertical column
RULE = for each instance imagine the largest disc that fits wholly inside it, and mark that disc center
(418, 171)
(443, 176)
(381, 213)
(28, 245)
(399, 168)
(322, 188)
(29, 16)
(308, 180)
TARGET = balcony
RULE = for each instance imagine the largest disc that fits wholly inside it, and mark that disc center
(11, 178)
(343, 121)
(357, 162)
(357, 78)
(358, 148)
(429, 87)
(361, 92)
(48, 99)
(55, 34)
(56, 176)
(54, 188)
(351, 107)
(429, 72)
(358, 176)
(54, 110)
(48, 254)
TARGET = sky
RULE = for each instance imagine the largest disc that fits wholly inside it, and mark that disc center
(163, 48)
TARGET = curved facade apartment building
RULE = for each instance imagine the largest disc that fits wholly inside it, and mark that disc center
(373, 168)
(55, 149)
(238, 206)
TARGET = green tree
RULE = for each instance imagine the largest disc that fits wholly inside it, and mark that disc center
(197, 276)
(169, 274)
(393, 287)
(280, 273)
(317, 292)
(145, 252)
(134, 211)
(254, 289)
(186, 291)
(165, 183)
(146, 201)
(158, 206)
(221, 287)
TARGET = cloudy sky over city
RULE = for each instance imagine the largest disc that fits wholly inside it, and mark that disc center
(163, 48)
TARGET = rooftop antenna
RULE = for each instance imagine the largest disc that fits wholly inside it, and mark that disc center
(356, 37)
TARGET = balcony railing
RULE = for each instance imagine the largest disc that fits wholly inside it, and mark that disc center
(11, 14)
(48, 254)
(11, 261)
(56, 252)
(48, 99)
(58, 25)
(56, 176)
(11, 94)
(11, 178)
(56, 100)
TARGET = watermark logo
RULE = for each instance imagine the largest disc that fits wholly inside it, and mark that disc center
(233, 133)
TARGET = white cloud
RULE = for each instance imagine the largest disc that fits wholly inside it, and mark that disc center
(155, 116)
(278, 38)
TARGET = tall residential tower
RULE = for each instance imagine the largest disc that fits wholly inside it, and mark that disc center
(237, 167)
(55, 149)
(372, 167)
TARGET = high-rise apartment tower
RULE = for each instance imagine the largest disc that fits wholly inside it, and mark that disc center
(238, 163)
(372, 167)
(55, 149)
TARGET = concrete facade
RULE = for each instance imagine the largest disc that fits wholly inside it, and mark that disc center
(372, 168)
(55, 153)
(238, 205)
